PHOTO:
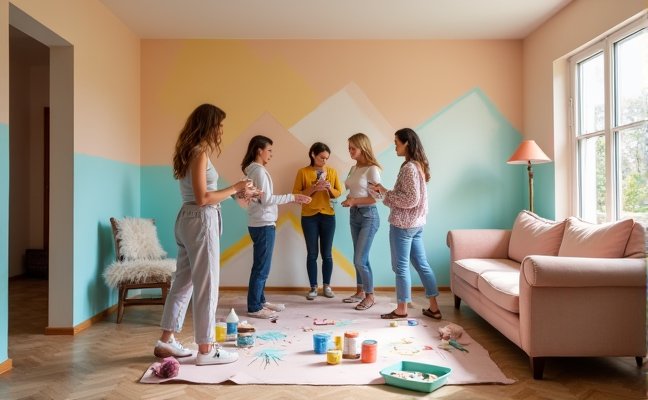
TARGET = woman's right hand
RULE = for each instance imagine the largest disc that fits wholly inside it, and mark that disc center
(302, 199)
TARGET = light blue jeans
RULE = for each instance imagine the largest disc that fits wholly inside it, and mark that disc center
(364, 225)
(407, 246)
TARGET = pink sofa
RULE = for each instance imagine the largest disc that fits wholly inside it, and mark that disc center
(556, 288)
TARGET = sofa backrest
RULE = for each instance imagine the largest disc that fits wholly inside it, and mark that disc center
(584, 239)
(533, 235)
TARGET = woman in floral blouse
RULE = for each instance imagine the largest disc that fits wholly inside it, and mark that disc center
(408, 210)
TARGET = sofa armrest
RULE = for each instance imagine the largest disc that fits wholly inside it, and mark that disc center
(478, 243)
(551, 271)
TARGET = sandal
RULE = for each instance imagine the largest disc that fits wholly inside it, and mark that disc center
(432, 314)
(393, 315)
(353, 299)
(364, 305)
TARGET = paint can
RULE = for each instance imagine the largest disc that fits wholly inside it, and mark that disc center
(351, 346)
(245, 339)
(393, 324)
(333, 356)
(369, 351)
(320, 342)
(221, 331)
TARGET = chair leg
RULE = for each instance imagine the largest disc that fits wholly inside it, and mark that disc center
(639, 361)
(457, 301)
(537, 366)
(120, 307)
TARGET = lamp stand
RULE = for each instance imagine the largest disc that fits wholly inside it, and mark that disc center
(530, 186)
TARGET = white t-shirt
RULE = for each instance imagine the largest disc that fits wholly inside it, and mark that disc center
(358, 179)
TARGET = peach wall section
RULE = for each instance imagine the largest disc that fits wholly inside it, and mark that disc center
(407, 81)
(106, 75)
(545, 77)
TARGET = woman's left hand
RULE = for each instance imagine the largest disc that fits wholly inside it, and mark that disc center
(348, 202)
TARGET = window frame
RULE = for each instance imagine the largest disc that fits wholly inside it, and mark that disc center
(604, 46)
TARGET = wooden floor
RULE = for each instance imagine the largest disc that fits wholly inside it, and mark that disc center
(107, 360)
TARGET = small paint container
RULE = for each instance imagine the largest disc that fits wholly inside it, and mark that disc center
(245, 339)
(333, 356)
(393, 324)
(369, 351)
(320, 342)
(351, 348)
(412, 322)
(337, 341)
(221, 332)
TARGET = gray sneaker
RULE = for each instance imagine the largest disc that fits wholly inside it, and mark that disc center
(328, 292)
(312, 294)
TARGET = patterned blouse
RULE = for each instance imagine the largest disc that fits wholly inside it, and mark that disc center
(408, 200)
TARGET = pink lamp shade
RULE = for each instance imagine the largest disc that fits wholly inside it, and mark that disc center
(528, 151)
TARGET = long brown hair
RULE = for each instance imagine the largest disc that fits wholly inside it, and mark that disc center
(362, 142)
(201, 133)
(414, 149)
(258, 142)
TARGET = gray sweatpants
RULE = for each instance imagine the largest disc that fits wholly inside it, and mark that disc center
(197, 232)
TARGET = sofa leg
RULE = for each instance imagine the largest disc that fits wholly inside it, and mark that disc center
(537, 366)
(639, 361)
(457, 301)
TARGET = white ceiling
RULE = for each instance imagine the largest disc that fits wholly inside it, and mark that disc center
(334, 19)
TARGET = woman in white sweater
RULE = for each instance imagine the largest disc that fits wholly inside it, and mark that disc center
(262, 218)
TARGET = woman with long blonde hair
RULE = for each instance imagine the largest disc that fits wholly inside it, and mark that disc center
(364, 219)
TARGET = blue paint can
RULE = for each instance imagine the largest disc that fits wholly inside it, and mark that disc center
(321, 342)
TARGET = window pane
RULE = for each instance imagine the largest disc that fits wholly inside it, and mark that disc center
(631, 75)
(591, 166)
(632, 161)
(591, 113)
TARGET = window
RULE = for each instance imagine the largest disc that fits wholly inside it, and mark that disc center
(610, 126)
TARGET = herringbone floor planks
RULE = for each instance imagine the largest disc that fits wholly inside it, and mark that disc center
(107, 360)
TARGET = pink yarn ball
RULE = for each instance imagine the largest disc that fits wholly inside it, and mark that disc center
(168, 368)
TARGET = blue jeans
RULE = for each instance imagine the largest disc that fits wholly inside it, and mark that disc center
(318, 232)
(407, 245)
(263, 238)
(364, 225)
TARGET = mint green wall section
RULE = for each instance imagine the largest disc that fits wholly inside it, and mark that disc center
(102, 189)
(467, 145)
(161, 200)
(4, 241)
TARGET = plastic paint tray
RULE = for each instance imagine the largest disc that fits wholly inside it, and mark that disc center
(411, 366)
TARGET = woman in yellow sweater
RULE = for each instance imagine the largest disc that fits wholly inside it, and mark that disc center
(321, 183)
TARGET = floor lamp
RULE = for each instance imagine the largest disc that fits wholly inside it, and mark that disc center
(528, 152)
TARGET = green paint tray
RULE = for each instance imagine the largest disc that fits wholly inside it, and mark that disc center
(420, 386)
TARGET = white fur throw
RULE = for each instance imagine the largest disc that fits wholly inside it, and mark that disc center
(139, 271)
(138, 240)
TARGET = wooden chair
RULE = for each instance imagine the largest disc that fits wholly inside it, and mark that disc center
(141, 263)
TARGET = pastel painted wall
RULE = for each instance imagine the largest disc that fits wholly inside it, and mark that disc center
(463, 98)
(4, 180)
(96, 157)
(546, 84)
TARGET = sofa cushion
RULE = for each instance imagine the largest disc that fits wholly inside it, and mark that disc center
(583, 239)
(469, 269)
(533, 235)
(502, 288)
(637, 243)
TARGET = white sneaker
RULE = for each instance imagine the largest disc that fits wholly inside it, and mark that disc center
(328, 292)
(217, 355)
(312, 294)
(170, 349)
(274, 307)
(263, 313)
